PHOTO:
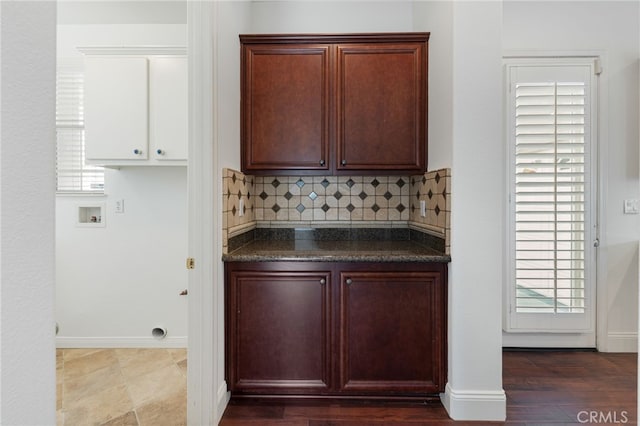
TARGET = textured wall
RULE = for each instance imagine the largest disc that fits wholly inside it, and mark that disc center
(27, 355)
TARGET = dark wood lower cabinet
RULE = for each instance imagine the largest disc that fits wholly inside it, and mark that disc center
(335, 329)
(390, 332)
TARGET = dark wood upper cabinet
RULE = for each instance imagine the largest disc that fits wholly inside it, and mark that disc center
(334, 104)
(285, 108)
(381, 107)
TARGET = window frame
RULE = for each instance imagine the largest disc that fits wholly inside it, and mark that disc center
(68, 69)
(542, 322)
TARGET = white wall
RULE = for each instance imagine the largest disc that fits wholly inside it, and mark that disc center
(234, 19)
(330, 16)
(27, 351)
(612, 29)
(121, 12)
(474, 390)
(436, 17)
(115, 284)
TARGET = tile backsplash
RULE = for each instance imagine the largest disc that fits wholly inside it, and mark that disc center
(336, 201)
(331, 198)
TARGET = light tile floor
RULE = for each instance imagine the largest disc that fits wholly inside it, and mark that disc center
(121, 387)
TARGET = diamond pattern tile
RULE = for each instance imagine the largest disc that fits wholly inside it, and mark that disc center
(337, 198)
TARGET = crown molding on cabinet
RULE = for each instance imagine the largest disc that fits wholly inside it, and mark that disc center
(133, 50)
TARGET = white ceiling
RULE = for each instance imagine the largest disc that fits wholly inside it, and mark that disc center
(94, 12)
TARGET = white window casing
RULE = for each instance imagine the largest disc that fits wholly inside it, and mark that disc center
(551, 118)
(73, 175)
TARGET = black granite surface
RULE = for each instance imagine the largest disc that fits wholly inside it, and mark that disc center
(336, 245)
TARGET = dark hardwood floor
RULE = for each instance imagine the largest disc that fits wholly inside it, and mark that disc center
(543, 388)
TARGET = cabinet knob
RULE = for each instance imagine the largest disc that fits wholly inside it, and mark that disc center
(349, 281)
(137, 151)
(343, 162)
(159, 152)
(323, 281)
(322, 162)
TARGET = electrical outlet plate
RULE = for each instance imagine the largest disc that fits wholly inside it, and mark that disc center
(241, 208)
(631, 206)
(423, 208)
(119, 206)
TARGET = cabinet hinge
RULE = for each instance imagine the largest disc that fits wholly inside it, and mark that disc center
(191, 263)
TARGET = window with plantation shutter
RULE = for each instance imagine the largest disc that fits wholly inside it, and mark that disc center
(72, 173)
(550, 196)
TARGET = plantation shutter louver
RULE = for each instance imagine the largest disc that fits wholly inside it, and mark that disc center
(72, 174)
(550, 198)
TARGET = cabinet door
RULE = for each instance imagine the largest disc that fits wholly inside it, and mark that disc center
(391, 332)
(382, 107)
(278, 332)
(116, 110)
(168, 106)
(285, 108)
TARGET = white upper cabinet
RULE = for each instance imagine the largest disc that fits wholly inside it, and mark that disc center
(168, 108)
(135, 107)
(116, 108)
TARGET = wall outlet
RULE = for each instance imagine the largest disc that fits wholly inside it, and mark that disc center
(241, 208)
(119, 206)
(423, 208)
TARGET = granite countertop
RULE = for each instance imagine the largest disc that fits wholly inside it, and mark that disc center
(324, 250)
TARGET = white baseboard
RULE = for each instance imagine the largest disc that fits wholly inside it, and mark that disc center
(622, 342)
(223, 399)
(547, 340)
(120, 342)
(475, 405)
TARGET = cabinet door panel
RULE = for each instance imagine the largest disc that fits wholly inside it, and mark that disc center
(391, 332)
(285, 108)
(280, 325)
(381, 107)
(168, 106)
(116, 110)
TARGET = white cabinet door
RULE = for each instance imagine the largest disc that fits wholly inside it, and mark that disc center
(116, 108)
(168, 106)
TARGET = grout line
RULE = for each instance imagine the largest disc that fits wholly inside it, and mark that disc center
(126, 385)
